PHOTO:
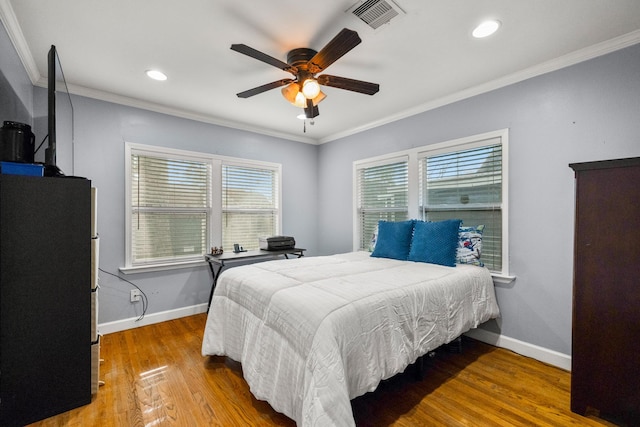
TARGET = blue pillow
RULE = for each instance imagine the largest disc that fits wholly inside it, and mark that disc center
(435, 242)
(394, 239)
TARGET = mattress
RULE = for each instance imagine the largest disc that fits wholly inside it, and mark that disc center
(315, 332)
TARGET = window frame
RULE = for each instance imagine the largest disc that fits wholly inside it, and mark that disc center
(414, 157)
(214, 233)
(374, 163)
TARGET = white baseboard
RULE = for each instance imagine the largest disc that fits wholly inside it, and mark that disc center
(150, 319)
(560, 360)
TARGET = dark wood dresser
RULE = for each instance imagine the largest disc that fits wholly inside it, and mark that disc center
(605, 362)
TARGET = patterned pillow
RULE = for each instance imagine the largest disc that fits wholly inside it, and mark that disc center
(435, 242)
(374, 238)
(470, 245)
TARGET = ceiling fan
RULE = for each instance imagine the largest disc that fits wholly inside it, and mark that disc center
(304, 90)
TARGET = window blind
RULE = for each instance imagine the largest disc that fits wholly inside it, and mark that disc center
(383, 194)
(466, 185)
(171, 203)
(249, 205)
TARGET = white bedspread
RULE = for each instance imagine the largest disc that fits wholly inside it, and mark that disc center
(315, 332)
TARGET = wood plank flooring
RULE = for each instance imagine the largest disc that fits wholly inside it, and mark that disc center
(155, 376)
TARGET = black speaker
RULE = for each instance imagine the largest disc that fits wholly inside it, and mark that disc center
(17, 142)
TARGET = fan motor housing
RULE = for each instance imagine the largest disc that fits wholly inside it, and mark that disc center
(300, 56)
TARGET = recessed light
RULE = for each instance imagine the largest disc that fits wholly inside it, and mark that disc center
(485, 29)
(157, 75)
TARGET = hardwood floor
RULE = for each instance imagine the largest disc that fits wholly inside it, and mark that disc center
(155, 376)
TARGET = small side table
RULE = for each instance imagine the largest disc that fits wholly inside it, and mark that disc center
(230, 257)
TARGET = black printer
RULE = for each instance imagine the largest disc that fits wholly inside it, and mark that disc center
(276, 243)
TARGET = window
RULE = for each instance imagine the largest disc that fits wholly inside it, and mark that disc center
(181, 203)
(382, 195)
(465, 179)
(170, 208)
(466, 184)
(249, 205)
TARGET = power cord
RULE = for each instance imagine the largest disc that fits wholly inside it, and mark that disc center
(39, 146)
(145, 300)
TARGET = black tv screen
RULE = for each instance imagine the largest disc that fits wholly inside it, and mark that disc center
(50, 152)
(59, 110)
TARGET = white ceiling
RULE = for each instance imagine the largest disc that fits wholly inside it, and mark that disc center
(421, 60)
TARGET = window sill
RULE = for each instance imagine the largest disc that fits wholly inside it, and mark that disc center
(161, 267)
(501, 279)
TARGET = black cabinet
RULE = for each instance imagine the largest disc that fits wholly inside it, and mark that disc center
(45, 298)
(605, 359)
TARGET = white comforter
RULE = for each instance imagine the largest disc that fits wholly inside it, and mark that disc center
(315, 332)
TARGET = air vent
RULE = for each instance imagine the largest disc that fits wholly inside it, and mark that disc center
(376, 13)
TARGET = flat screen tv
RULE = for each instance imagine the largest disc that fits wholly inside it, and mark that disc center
(59, 113)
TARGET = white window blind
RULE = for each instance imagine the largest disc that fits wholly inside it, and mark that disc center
(383, 194)
(250, 205)
(170, 208)
(466, 185)
(466, 178)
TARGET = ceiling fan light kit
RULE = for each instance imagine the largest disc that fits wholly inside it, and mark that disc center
(292, 94)
(304, 91)
(310, 88)
(316, 100)
(295, 96)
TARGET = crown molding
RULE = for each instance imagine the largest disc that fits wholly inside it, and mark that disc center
(564, 61)
(176, 112)
(8, 18)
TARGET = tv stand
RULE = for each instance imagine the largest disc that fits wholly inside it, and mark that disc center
(52, 170)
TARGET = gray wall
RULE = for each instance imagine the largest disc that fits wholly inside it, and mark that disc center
(101, 130)
(16, 90)
(590, 111)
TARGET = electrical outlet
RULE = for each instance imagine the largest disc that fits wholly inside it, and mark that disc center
(135, 295)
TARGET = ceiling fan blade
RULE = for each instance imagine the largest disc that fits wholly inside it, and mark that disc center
(349, 84)
(311, 111)
(336, 48)
(264, 88)
(256, 54)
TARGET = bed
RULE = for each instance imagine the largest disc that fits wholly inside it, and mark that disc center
(315, 332)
